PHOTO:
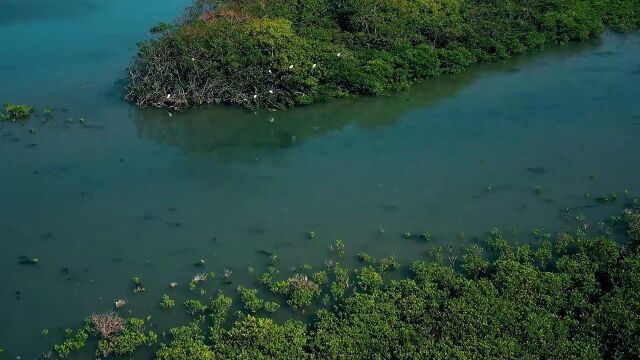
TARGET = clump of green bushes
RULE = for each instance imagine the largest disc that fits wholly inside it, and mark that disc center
(575, 297)
(282, 53)
(15, 112)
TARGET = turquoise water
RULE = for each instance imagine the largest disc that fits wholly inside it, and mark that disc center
(144, 192)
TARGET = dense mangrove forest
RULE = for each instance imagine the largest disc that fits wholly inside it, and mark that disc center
(572, 296)
(281, 53)
(462, 181)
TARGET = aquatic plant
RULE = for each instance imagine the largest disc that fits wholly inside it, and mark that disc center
(388, 263)
(273, 259)
(574, 296)
(474, 263)
(197, 280)
(426, 236)
(250, 299)
(538, 189)
(15, 112)
(271, 306)
(299, 290)
(167, 302)
(129, 338)
(311, 234)
(266, 278)
(107, 325)
(305, 267)
(436, 253)
(73, 341)
(138, 284)
(321, 278)
(227, 274)
(338, 248)
(218, 309)
(632, 219)
(366, 258)
(341, 282)
(188, 343)
(47, 114)
(607, 198)
(195, 306)
(369, 279)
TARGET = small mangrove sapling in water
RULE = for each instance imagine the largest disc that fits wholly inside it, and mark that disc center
(167, 302)
(15, 112)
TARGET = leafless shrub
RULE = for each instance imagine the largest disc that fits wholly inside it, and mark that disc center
(107, 325)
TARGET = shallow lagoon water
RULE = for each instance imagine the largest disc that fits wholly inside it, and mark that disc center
(141, 192)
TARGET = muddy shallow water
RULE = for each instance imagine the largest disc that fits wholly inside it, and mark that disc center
(141, 192)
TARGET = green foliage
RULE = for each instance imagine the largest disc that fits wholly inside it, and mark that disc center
(73, 341)
(160, 28)
(632, 219)
(167, 302)
(261, 338)
(219, 308)
(285, 53)
(388, 263)
(250, 299)
(128, 340)
(366, 258)
(341, 282)
(338, 248)
(299, 290)
(369, 279)
(575, 299)
(16, 112)
(320, 278)
(188, 343)
(474, 263)
(195, 306)
(271, 306)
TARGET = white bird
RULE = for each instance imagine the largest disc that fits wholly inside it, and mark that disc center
(269, 71)
(255, 96)
(313, 66)
(270, 91)
(193, 59)
(339, 54)
(168, 96)
(290, 66)
(170, 114)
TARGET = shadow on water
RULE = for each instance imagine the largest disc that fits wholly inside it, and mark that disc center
(237, 134)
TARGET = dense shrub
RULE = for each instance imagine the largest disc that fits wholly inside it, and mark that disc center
(281, 53)
(15, 112)
(577, 297)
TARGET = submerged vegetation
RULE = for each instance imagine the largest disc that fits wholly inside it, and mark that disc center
(577, 296)
(282, 53)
